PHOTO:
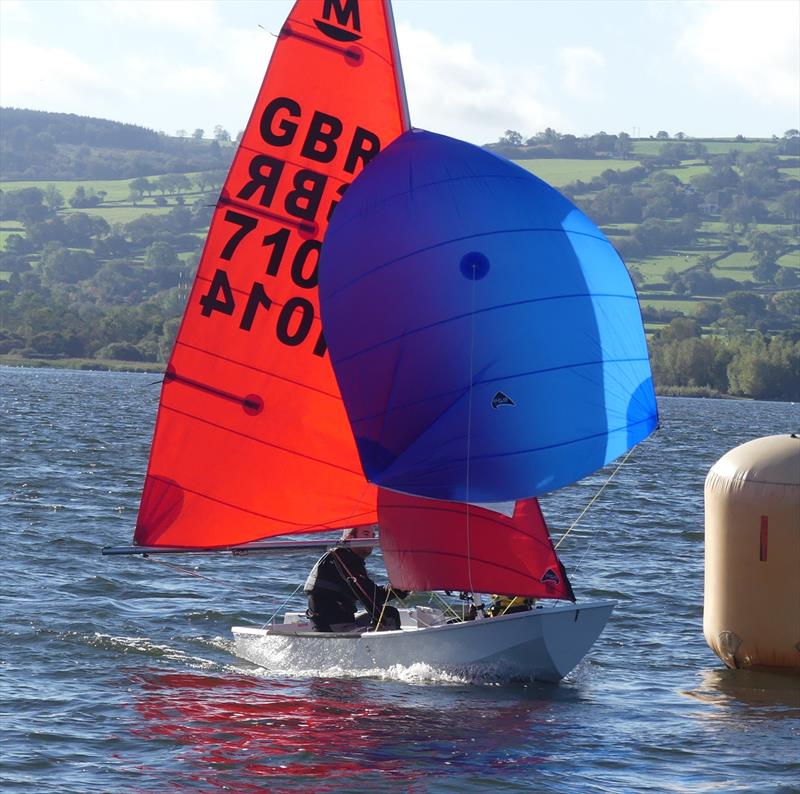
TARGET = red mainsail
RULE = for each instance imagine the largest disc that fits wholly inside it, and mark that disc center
(252, 439)
(428, 544)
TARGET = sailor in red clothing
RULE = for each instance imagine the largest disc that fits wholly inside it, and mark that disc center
(339, 580)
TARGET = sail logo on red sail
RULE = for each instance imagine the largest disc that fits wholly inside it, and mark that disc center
(348, 19)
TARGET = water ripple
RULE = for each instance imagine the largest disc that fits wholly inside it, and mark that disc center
(118, 675)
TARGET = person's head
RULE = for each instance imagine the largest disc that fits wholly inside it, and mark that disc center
(357, 533)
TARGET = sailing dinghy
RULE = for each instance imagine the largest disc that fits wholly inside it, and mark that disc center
(483, 344)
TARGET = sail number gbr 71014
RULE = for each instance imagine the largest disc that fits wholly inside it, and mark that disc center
(295, 318)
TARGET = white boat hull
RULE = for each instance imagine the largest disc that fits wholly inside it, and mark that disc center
(543, 644)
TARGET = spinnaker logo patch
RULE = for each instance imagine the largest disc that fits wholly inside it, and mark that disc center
(551, 576)
(501, 399)
(348, 20)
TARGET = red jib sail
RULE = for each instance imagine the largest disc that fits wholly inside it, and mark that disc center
(252, 439)
(472, 548)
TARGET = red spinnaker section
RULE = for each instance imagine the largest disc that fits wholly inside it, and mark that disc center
(252, 439)
(428, 544)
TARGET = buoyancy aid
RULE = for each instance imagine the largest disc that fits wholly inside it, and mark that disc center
(505, 604)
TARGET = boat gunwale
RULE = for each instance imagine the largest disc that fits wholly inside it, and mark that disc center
(354, 635)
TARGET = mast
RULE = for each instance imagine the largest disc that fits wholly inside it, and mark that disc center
(400, 83)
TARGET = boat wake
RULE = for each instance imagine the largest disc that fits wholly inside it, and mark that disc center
(419, 673)
(281, 657)
(144, 647)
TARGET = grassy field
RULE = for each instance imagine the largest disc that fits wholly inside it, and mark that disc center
(3, 238)
(116, 207)
(653, 145)
(687, 306)
(8, 228)
(117, 190)
(560, 172)
(792, 259)
(738, 266)
(715, 227)
(615, 229)
(123, 213)
(654, 267)
(721, 228)
(688, 170)
(791, 172)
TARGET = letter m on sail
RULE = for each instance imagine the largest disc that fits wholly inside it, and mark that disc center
(348, 20)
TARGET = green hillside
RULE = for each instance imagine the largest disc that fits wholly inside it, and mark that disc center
(36, 145)
(99, 269)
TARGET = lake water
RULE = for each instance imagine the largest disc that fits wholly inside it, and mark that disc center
(118, 676)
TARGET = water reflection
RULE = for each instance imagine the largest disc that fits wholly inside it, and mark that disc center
(320, 733)
(772, 694)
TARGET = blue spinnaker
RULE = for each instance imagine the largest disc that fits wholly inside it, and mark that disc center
(485, 334)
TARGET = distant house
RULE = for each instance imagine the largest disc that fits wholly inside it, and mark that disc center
(711, 205)
(709, 208)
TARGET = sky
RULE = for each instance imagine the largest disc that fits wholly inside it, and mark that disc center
(473, 68)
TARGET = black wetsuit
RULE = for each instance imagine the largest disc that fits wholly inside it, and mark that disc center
(336, 583)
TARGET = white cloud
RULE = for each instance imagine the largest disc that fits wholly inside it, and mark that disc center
(583, 72)
(453, 92)
(752, 45)
(14, 10)
(197, 16)
(198, 70)
(165, 65)
(35, 76)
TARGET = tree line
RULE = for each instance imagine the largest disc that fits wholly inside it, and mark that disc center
(551, 143)
(750, 365)
(41, 145)
(81, 287)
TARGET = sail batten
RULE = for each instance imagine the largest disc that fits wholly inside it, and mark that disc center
(278, 376)
(345, 519)
(356, 472)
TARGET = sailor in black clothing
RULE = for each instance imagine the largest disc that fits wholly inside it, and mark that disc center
(339, 580)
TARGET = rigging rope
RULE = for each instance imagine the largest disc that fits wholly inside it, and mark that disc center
(189, 571)
(286, 601)
(469, 416)
(594, 498)
(445, 605)
(353, 580)
(389, 591)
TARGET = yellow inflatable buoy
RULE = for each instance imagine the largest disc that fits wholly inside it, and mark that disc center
(751, 616)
